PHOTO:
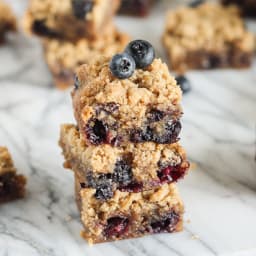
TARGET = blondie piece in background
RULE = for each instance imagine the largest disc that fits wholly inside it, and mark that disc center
(129, 215)
(136, 7)
(133, 167)
(7, 20)
(207, 36)
(248, 7)
(142, 108)
(69, 19)
(64, 57)
(12, 186)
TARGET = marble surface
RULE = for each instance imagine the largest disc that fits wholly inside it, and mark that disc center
(219, 133)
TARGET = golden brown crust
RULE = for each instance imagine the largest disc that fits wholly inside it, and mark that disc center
(209, 28)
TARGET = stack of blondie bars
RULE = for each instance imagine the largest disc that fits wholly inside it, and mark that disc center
(124, 150)
(73, 33)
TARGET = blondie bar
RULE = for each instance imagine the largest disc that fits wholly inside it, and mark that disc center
(64, 57)
(248, 7)
(207, 36)
(12, 186)
(129, 215)
(133, 167)
(69, 19)
(7, 20)
(142, 108)
(136, 7)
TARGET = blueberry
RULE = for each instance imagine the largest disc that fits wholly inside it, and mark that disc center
(96, 131)
(184, 83)
(196, 3)
(167, 224)
(122, 66)
(104, 192)
(81, 7)
(77, 83)
(142, 52)
(155, 115)
(122, 173)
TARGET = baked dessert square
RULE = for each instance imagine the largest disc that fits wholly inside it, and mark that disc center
(69, 19)
(136, 7)
(12, 185)
(247, 7)
(132, 167)
(142, 108)
(7, 20)
(64, 57)
(206, 37)
(129, 215)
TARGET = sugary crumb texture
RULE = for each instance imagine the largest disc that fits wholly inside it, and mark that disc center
(145, 107)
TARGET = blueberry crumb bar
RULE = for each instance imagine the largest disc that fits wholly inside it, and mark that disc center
(207, 36)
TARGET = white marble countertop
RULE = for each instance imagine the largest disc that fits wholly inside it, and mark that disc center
(219, 133)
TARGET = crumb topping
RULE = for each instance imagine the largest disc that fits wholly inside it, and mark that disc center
(211, 27)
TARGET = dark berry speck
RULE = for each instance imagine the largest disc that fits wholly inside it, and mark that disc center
(196, 3)
(122, 66)
(116, 226)
(167, 224)
(122, 173)
(81, 7)
(142, 52)
(184, 83)
(77, 83)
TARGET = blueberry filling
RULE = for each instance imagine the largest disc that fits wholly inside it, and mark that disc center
(104, 190)
(122, 173)
(172, 131)
(167, 224)
(82, 7)
(116, 226)
(96, 131)
(155, 115)
(40, 28)
(171, 173)
(109, 108)
(134, 187)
